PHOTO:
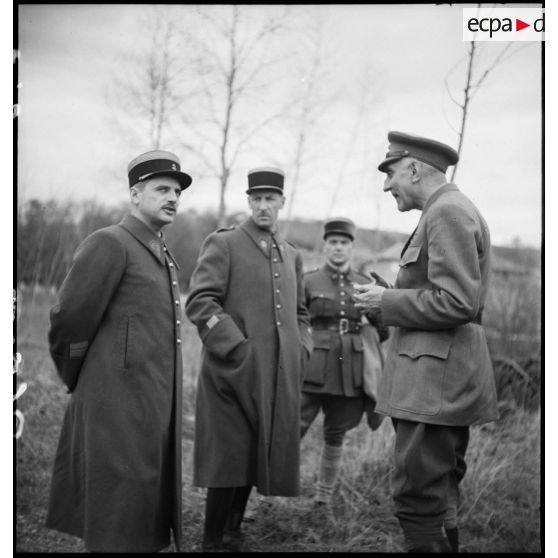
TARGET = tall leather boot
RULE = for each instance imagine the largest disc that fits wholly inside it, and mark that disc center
(233, 538)
(437, 546)
(218, 505)
(453, 538)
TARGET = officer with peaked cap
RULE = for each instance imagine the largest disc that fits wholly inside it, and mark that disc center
(335, 382)
(438, 378)
(247, 301)
(115, 340)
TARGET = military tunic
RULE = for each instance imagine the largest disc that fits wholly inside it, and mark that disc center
(438, 369)
(247, 301)
(336, 364)
(115, 340)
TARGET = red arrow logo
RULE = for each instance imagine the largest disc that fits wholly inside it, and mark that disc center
(519, 25)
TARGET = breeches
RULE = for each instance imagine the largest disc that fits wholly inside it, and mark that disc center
(341, 414)
(429, 464)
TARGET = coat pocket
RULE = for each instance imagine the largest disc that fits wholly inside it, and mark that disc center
(415, 344)
(322, 304)
(123, 340)
(316, 367)
(357, 360)
(420, 370)
(411, 255)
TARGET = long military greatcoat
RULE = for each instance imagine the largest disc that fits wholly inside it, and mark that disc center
(247, 302)
(438, 369)
(114, 339)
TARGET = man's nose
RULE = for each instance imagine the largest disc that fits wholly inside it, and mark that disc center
(387, 185)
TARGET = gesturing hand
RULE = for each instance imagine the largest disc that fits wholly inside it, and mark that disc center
(368, 297)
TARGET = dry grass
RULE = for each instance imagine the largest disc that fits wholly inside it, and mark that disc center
(501, 492)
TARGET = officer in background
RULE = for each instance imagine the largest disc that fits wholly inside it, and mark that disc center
(438, 377)
(334, 380)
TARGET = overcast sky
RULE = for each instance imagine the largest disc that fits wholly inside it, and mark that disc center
(70, 54)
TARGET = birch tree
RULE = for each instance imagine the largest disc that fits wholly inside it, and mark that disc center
(150, 85)
(235, 62)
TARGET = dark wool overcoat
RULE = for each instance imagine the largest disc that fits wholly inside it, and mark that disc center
(114, 338)
(438, 368)
(247, 302)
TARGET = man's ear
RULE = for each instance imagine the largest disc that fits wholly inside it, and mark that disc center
(283, 199)
(134, 195)
(415, 174)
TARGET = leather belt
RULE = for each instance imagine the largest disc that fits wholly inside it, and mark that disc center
(343, 325)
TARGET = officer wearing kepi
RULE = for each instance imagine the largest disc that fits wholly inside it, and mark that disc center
(343, 334)
(247, 301)
(115, 340)
(438, 377)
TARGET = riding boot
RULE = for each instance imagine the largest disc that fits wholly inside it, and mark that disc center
(218, 505)
(437, 546)
(233, 538)
(453, 538)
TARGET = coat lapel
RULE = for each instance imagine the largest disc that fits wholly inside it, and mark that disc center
(261, 238)
(429, 202)
(145, 236)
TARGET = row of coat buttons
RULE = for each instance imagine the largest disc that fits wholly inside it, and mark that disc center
(278, 291)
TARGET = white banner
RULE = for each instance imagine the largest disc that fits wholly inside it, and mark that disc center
(503, 24)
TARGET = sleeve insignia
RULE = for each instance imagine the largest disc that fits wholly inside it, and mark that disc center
(78, 350)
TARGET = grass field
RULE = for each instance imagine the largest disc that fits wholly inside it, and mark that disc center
(499, 512)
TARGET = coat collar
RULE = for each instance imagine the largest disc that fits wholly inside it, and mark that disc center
(335, 274)
(262, 238)
(146, 236)
(449, 187)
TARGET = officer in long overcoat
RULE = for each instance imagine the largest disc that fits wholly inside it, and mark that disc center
(438, 377)
(247, 302)
(115, 340)
(334, 381)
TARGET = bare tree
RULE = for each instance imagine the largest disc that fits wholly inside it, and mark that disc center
(363, 110)
(474, 78)
(312, 99)
(149, 87)
(233, 59)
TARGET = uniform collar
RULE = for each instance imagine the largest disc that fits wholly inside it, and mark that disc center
(148, 237)
(335, 273)
(262, 238)
(449, 187)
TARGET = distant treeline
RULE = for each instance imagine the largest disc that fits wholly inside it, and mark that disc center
(48, 234)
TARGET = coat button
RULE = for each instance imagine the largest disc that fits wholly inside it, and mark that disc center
(279, 306)
(275, 260)
(178, 341)
(276, 274)
(174, 283)
(177, 322)
(342, 312)
(177, 302)
(342, 303)
(278, 324)
(277, 291)
(171, 264)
